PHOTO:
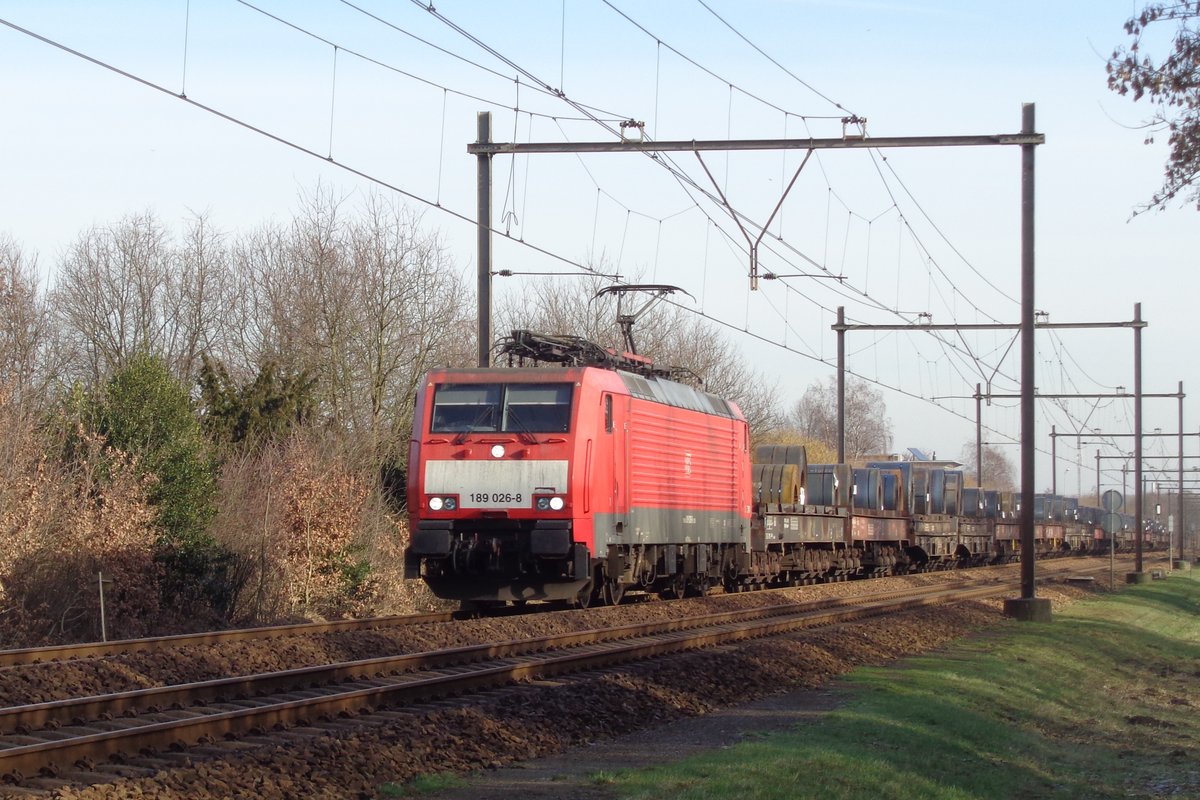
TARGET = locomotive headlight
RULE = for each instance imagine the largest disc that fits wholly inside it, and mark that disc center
(548, 503)
(435, 504)
(497, 451)
(451, 504)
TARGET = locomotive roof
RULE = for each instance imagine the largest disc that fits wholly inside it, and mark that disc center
(678, 394)
(658, 390)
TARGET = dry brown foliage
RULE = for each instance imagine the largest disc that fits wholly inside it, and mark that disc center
(316, 535)
(60, 527)
(386, 591)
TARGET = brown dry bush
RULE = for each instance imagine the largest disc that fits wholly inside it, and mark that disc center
(60, 526)
(386, 591)
(315, 534)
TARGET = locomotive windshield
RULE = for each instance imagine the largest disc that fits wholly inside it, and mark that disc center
(509, 408)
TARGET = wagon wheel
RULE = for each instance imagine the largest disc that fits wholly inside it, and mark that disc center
(614, 590)
(675, 587)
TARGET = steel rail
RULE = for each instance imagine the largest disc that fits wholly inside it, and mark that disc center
(34, 716)
(526, 659)
(35, 655)
(50, 653)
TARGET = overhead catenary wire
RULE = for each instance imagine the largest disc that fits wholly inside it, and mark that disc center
(680, 175)
(288, 143)
(611, 116)
(765, 55)
(731, 84)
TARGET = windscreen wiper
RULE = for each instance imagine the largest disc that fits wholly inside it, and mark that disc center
(483, 412)
(524, 433)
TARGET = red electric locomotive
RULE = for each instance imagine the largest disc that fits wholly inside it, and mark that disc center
(573, 482)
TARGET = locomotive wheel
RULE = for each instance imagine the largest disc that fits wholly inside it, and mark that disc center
(614, 590)
(586, 595)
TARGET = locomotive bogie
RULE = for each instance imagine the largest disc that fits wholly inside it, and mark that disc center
(975, 541)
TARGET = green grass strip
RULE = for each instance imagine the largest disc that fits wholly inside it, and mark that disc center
(1103, 702)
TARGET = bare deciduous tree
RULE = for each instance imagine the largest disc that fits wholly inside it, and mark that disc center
(110, 285)
(126, 289)
(997, 469)
(868, 429)
(200, 297)
(24, 326)
(1172, 85)
(410, 307)
(365, 303)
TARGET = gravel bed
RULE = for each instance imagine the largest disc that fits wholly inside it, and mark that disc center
(522, 722)
(34, 683)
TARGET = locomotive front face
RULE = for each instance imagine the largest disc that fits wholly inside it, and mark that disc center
(490, 487)
(497, 463)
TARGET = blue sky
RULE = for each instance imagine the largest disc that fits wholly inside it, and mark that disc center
(916, 232)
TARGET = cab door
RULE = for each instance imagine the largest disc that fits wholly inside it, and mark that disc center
(615, 413)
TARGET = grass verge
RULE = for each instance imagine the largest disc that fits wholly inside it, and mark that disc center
(1103, 702)
(423, 785)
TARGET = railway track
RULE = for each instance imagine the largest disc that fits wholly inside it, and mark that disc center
(36, 655)
(76, 737)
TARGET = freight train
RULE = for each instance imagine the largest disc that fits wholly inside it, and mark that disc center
(602, 474)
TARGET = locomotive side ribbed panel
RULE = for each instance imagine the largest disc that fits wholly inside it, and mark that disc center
(681, 460)
(684, 477)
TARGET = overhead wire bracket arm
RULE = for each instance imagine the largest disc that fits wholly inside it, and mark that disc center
(753, 243)
(634, 146)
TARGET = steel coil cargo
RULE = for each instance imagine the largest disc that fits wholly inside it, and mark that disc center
(1010, 505)
(953, 489)
(895, 495)
(782, 454)
(972, 502)
(868, 489)
(991, 503)
(828, 485)
(1070, 508)
(1049, 507)
(776, 485)
(897, 490)
(1041, 508)
(919, 491)
(937, 491)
